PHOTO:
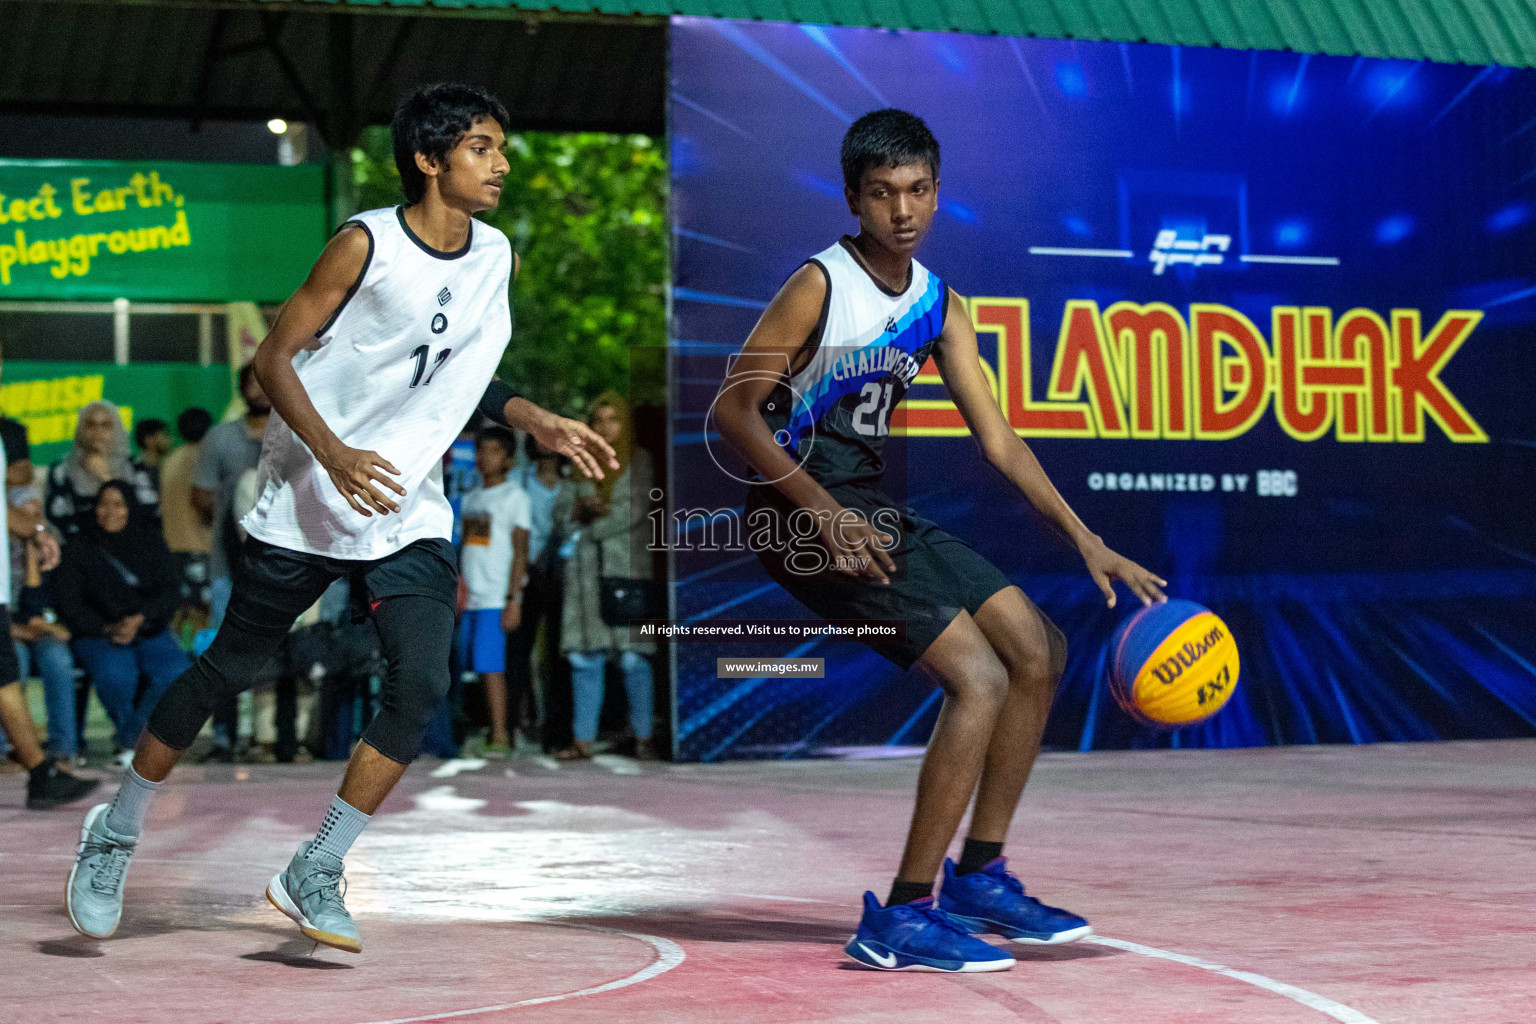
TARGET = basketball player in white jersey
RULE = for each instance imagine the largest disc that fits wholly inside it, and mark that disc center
(854, 326)
(374, 366)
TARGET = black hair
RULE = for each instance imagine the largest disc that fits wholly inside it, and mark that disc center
(432, 121)
(501, 435)
(887, 138)
(146, 429)
(246, 373)
(193, 424)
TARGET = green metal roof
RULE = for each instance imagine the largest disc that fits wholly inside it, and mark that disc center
(1452, 31)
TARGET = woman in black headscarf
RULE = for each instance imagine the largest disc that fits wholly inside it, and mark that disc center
(116, 590)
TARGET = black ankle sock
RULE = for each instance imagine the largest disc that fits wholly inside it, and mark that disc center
(907, 892)
(977, 854)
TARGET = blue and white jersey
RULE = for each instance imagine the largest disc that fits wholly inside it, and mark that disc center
(835, 413)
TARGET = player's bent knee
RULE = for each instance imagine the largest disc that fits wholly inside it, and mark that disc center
(186, 705)
(981, 679)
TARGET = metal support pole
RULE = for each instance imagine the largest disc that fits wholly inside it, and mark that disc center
(205, 338)
(120, 331)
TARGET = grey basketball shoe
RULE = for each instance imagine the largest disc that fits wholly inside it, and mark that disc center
(310, 893)
(94, 897)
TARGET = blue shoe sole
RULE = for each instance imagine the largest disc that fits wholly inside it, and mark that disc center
(870, 953)
(982, 926)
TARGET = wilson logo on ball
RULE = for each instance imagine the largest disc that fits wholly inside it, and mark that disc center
(1173, 665)
(1186, 656)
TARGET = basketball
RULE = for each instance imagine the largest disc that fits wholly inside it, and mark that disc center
(1173, 664)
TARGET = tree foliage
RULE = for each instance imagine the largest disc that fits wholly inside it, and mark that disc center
(587, 213)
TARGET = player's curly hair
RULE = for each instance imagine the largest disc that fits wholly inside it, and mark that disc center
(887, 138)
(432, 121)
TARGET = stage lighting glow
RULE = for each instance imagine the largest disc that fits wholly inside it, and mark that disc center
(1290, 234)
(1511, 216)
(1071, 80)
(1394, 229)
(277, 126)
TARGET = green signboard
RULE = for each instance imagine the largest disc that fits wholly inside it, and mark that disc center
(158, 231)
(47, 396)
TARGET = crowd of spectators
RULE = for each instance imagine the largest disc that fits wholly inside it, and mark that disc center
(149, 534)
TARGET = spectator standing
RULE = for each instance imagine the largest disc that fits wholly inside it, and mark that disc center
(493, 560)
(48, 784)
(116, 591)
(227, 451)
(551, 498)
(610, 523)
(99, 454)
(186, 534)
(153, 438)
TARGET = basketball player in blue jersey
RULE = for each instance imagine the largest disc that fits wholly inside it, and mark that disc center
(853, 327)
(373, 367)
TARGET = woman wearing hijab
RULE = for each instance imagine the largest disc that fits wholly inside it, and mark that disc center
(99, 454)
(116, 591)
(611, 525)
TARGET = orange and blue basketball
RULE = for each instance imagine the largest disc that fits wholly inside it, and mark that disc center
(1172, 664)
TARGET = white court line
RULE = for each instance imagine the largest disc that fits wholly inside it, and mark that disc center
(617, 765)
(1302, 261)
(448, 769)
(1338, 1011)
(1058, 250)
(668, 955)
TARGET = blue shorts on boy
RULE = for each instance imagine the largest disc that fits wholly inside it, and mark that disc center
(482, 642)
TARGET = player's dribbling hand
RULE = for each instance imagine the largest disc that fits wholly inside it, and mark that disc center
(354, 472)
(857, 548)
(577, 442)
(1105, 567)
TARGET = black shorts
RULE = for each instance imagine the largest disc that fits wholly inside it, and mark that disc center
(273, 585)
(937, 575)
(10, 668)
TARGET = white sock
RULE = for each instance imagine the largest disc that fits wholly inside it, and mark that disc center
(342, 825)
(126, 815)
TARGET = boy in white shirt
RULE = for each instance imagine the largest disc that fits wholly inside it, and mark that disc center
(493, 561)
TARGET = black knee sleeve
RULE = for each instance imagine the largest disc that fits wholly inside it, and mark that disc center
(416, 634)
(239, 655)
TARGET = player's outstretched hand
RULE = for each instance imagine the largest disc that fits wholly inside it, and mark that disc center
(354, 472)
(857, 548)
(577, 442)
(1105, 567)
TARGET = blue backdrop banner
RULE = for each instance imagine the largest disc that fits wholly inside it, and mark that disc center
(1264, 317)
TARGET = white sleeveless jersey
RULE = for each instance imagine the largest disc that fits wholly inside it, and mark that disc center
(398, 369)
(835, 414)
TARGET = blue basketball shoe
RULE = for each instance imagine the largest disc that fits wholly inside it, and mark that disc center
(919, 936)
(993, 900)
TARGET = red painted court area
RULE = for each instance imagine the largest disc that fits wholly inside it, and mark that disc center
(1389, 884)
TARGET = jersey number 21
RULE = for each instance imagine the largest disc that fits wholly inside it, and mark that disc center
(872, 418)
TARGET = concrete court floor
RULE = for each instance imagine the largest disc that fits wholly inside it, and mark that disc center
(1386, 884)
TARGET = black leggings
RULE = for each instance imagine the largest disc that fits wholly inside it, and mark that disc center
(415, 633)
(272, 586)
